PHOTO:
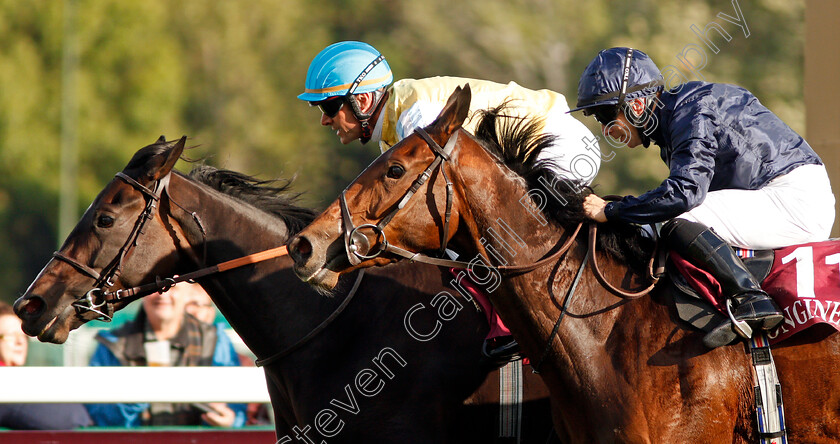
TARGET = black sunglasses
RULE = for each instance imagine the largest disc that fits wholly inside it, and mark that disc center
(331, 107)
(605, 114)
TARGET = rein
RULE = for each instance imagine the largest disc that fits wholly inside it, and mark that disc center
(134, 293)
(592, 257)
(87, 302)
(321, 327)
(357, 246)
(652, 275)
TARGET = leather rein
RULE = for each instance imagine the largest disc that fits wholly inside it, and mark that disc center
(357, 246)
(104, 279)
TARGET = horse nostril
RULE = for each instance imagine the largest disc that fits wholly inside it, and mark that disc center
(30, 308)
(300, 249)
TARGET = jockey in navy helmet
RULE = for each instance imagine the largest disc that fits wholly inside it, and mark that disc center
(738, 176)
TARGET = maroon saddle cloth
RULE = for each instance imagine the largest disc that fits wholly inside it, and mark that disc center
(803, 279)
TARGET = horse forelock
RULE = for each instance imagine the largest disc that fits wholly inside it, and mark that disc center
(517, 143)
(272, 196)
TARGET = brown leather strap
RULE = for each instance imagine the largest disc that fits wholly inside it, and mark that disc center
(593, 258)
(84, 269)
(563, 249)
(321, 327)
(133, 293)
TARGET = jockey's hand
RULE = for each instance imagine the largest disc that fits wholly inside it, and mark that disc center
(593, 207)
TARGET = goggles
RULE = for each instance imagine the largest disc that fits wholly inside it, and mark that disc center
(331, 107)
(604, 114)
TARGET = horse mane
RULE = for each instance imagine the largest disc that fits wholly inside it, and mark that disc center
(517, 142)
(263, 194)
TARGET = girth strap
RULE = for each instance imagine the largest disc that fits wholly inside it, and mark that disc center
(769, 408)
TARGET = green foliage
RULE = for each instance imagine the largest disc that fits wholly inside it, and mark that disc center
(227, 74)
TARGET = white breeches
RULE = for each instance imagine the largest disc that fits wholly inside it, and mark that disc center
(795, 208)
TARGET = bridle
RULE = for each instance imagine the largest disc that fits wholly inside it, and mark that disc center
(104, 280)
(357, 245)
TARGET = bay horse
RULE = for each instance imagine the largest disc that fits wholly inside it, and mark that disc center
(362, 378)
(618, 370)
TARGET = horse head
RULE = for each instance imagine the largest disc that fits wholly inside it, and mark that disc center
(108, 249)
(377, 210)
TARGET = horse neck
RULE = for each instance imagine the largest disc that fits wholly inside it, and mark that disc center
(497, 219)
(526, 301)
(254, 297)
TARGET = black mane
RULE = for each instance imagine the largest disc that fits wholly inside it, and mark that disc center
(277, 200)
(517, 142)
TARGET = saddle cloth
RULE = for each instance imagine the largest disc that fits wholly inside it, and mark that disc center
(804, 280)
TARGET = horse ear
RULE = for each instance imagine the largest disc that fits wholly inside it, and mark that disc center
(455, 111)
(161, 139)
(172, 158)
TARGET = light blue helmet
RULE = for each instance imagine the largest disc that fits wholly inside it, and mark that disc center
(346, 68)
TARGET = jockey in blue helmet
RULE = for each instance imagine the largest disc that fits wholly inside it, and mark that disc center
(738, 176)
(618, 76)
(356, 75)
(340, 75)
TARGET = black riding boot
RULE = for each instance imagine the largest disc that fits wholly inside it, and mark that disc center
(703, 247)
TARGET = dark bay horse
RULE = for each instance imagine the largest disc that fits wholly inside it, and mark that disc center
(618, 370)
(364, 378)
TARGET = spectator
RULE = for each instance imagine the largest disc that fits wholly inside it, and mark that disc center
(200, 306)
(13, 349)
(198, 303)
(162, 323)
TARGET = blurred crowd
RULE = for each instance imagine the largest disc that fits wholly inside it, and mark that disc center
(174, 328)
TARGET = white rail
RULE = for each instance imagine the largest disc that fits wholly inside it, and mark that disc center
(132, 384)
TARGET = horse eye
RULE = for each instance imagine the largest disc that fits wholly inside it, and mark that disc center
(105, 221)
(395, 172)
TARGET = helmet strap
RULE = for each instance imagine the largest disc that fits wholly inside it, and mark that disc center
(367, 133)
(364, 117)
(625, 77)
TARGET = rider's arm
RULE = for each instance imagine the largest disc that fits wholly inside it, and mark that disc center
(692, 167)
(420, 114)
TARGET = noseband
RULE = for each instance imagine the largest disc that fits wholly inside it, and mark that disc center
(104, 281)
(356, 244)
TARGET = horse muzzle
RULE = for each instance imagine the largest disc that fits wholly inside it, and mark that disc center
(29, 309)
